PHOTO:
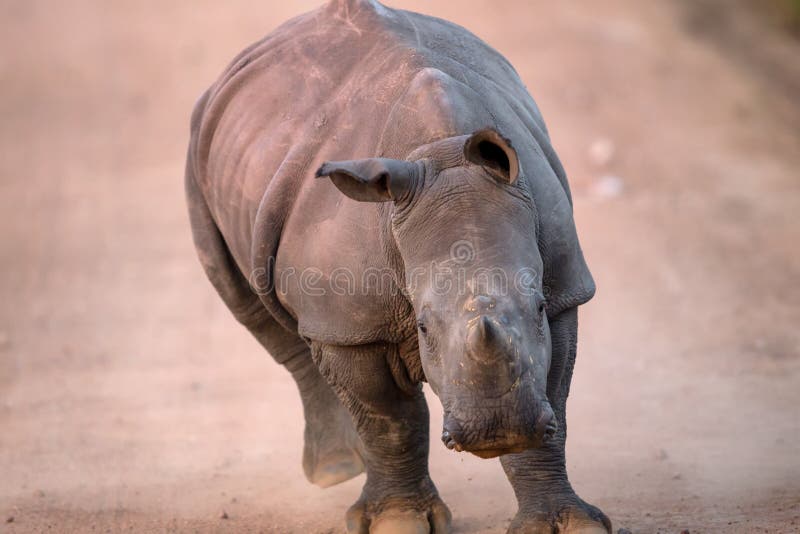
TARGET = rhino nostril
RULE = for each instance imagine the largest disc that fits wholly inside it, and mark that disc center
(550, 430)
(449, 442)
(452, 435)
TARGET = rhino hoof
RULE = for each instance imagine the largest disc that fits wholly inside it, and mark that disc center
(575, 519)
(435, 520)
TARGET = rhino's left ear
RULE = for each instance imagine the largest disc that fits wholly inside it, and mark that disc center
(494, 152)
(373, 179)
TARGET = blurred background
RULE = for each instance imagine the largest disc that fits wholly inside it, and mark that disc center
(131, 400)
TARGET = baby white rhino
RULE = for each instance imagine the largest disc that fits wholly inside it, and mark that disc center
(374, 195)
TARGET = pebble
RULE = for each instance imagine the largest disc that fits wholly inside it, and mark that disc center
(608, 186)
(601, 151)
(224, 515)
(624, 531)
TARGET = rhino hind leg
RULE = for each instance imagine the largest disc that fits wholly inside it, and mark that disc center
(332, 451)
(332, 448)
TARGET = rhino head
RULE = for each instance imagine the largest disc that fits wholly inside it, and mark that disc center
(464, 225)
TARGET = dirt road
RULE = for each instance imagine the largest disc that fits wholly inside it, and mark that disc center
(130, 399)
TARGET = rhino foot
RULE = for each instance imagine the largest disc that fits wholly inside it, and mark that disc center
(431, 518)
(575, 518)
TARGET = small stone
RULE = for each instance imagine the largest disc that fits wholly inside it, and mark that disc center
(662, 455)
(685, 531)
(624, 531)
(608, 186)
(224, 515)
(601, 151)
(10, 519)
(320, 121)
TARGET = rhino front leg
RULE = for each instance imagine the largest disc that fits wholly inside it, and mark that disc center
(547, 502)
(398, 495)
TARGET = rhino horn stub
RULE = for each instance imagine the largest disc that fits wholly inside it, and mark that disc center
(372, 179)
(486, 340)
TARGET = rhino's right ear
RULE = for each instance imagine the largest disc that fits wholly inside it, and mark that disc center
(373, 179)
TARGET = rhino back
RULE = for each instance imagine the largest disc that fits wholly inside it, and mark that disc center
(353, 79)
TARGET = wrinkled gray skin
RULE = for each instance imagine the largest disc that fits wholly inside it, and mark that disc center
(359, 139)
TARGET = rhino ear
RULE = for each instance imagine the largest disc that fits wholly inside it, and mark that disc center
(373, 179)
(494, 152)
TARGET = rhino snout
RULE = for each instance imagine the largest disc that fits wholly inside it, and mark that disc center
(501, 433)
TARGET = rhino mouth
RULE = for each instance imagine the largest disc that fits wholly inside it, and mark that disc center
(500, 445)
(490, 450)
(496, 432)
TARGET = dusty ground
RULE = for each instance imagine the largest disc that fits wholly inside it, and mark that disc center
(130, 400)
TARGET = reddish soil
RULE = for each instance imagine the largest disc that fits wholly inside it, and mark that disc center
(130, 399)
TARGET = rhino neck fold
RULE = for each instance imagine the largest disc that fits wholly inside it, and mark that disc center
(273, 210)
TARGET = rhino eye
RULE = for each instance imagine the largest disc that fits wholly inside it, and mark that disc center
(540, 302)
(422, 327)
